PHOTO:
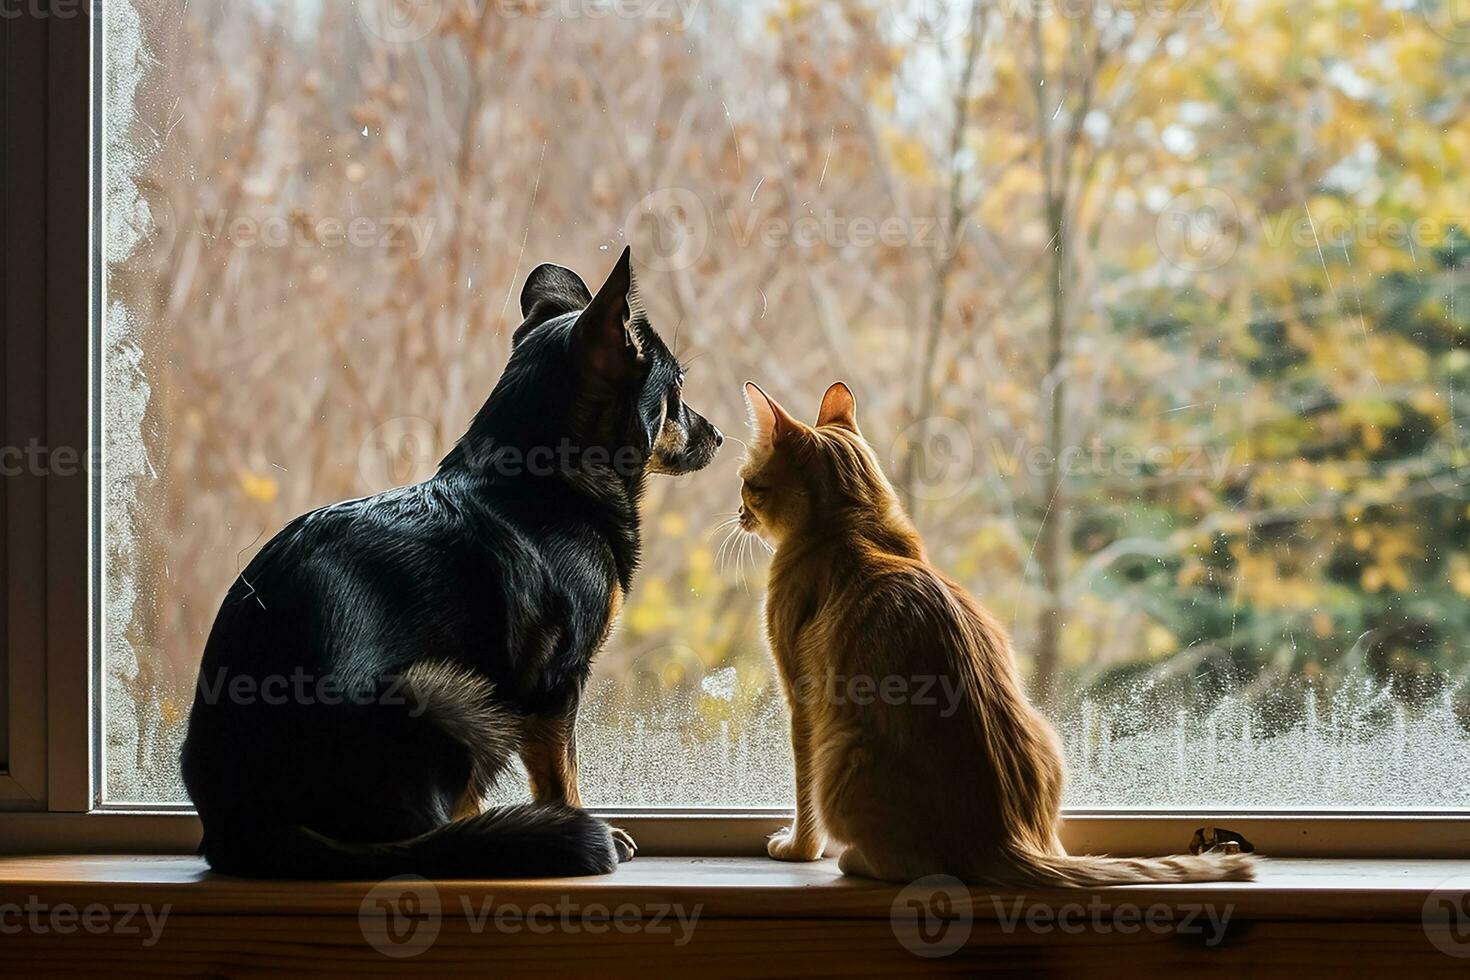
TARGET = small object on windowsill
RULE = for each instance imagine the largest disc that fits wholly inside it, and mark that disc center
(1218, 840)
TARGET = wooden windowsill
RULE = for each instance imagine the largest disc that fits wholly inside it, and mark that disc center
(1302, 888)
(749, 911)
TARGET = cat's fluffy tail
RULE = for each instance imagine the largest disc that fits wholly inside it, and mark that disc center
(1026, 867)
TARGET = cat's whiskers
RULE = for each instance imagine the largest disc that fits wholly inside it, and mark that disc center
(722, 553)
(736, 547)
(731, 518)
(741, 554)
(730, 525)
(746, 555)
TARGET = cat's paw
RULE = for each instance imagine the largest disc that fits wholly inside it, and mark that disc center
(623, 844)
(784, 845)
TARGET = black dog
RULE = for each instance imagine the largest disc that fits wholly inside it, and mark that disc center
(379, 662)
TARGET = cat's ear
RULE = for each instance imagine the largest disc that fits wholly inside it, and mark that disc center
(768, 421)
(839, 408)
(603, 339)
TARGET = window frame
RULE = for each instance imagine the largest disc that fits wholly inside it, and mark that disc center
(50, 535)
(48, 528)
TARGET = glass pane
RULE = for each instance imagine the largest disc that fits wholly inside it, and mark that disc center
(1159, 315)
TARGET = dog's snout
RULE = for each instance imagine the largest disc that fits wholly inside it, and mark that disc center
(701, 443)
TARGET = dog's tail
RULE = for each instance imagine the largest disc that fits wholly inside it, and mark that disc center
(1024, 866)
(525, 840)
(522, 841)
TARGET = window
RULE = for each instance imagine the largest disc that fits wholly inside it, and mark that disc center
(1158, 314)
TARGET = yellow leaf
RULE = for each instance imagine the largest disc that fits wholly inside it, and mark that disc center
(1160, 640)
(909, 157)
(1460, 574)
(259, 488)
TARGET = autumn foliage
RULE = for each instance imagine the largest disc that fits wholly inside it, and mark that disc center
(1159, 314)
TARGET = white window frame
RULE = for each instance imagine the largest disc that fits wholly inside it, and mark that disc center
(50, 536)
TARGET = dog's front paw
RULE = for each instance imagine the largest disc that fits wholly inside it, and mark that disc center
(624, 844)
(784, 845)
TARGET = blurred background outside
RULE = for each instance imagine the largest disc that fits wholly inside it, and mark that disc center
(1158, 312)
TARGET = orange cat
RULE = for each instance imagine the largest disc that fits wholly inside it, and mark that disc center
(914, 745)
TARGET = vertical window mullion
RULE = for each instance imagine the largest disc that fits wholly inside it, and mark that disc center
(70, 336)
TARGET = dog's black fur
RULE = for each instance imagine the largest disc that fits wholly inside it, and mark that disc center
(380, 661)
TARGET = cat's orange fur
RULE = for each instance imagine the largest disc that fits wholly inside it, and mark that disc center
(964, 780)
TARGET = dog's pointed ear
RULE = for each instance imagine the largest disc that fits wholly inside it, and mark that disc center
(603, 339)
(839, 408)
(769, 422)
